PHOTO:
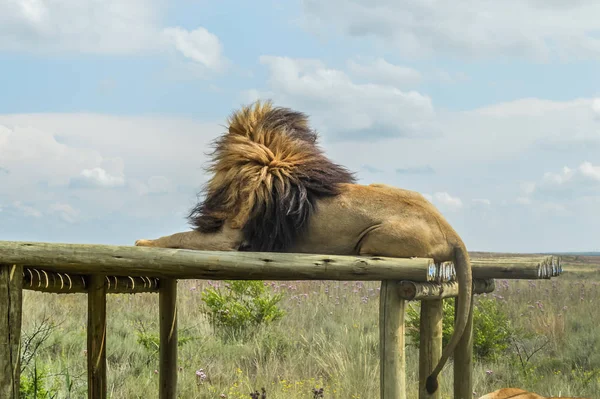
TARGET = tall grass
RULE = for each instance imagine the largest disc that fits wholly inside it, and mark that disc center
(328, 339)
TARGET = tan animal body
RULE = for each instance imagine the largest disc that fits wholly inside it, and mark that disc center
(273, 189)
(517, 393)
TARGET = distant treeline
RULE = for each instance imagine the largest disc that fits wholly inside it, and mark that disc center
(574, 253)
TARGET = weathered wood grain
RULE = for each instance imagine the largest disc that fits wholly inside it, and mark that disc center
(392, 367)
(11, 309)
(168, 339)
(430, 345)
(463, 360)
(96, 338)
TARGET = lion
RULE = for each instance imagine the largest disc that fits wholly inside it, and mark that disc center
(273, 190)
(517, 393)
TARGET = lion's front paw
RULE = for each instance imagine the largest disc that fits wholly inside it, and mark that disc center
(144, 243)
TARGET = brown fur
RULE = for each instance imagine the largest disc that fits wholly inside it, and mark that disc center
(517, 393)
(273, 189)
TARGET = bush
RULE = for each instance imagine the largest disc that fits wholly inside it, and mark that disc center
(151, 342)
(240, 307)
(492, 330)
(33, 386)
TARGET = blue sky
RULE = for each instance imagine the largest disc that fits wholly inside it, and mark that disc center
(492, 110)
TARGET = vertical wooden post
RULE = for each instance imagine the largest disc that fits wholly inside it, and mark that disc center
(391, 342)
(96, 338)
(168, 338)
(430, 345)
(11, 309)
(463, 360)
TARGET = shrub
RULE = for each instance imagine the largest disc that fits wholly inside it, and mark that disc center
(492, 330)
(240, 307)
(34, 385)
(151, 342)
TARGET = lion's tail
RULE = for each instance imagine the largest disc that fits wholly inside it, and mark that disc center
(464, 277)
(267, 173)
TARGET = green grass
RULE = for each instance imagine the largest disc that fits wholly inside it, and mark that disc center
(328, 338)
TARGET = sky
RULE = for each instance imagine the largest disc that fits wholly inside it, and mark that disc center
(490, 109)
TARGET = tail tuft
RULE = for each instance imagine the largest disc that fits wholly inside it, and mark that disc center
(268, 173)
(431, 384)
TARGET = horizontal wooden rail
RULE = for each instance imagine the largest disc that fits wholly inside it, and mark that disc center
(64, 283)
(522, 267)
(412, 291)
(111, 260)
(217, 265)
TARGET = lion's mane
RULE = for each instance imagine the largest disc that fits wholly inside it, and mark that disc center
(268, 172)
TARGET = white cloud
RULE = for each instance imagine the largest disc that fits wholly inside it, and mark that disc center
(27, 210)
(596, 107)
(380, 71)
(470, 28)
(383, 120)
(482, 201)
(92, 26)
(133, 165)
(590, 171)
(198, 45)
(102, 27)
(585, 176)
(97, 177)
(65, 211)
(584, 173)
(443, 76)
(32, 154)
(447, 200)
(523, 200)
(346, 108)
(154, 185)
(444, 201)
(533, 107)
(567, 185)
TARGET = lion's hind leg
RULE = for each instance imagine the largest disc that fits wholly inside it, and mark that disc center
(403, 240)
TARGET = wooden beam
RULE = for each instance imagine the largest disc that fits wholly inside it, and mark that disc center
(96, 338)
(430, 345)
(391, 342)
(225, 265)
(413, 291)
(516, 267)
(11, 309)
(168, 339)
(463, 360)
(217, 265)
(65, 283)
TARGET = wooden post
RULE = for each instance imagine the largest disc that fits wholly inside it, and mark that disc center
(168, 338)
(392, 375)
(96, 338)
(11, 308)
(463, 360)
(430, 345)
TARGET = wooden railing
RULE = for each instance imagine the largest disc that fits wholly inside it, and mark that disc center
(99, 270)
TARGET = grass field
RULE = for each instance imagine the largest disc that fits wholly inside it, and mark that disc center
(328, 338)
